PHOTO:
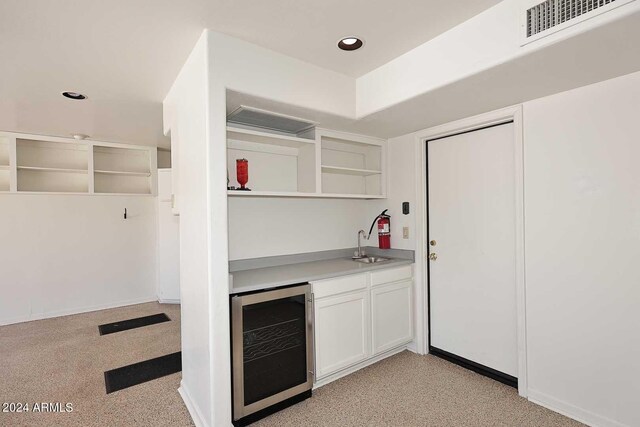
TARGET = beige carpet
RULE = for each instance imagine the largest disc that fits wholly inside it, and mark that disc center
(411, 390)
(63, 360)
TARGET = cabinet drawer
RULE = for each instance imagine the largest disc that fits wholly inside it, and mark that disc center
(391, 275)
(323, 288)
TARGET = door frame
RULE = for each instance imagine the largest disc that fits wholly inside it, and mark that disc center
(510, 114)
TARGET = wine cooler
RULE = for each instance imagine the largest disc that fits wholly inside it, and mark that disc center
(272, 351)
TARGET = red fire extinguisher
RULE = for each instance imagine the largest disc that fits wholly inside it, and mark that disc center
(384, 230)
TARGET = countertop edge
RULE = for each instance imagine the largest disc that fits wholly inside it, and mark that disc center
(358, 268)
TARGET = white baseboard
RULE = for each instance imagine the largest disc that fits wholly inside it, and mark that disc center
(169, 301)
(571, 411)
(351, 369)
(413, 348)
(196, 416)
(79, 310)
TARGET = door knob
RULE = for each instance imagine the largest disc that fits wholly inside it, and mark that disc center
(433, 256)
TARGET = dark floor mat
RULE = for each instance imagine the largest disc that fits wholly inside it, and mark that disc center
(138, 373)
(138, 322)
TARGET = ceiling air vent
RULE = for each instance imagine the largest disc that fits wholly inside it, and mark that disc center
(254, 117)
(551, 13)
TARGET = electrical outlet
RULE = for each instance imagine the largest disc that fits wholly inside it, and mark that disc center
(405, 232)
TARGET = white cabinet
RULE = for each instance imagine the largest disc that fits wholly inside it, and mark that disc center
(341, 331)
(361, 316)
(391, 319)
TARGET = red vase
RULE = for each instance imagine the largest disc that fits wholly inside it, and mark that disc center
(242, 172)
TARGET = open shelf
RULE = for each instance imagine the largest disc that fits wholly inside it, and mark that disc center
(52, 180)
(121, 170)
(349, 171)
(43, 169)
(4, 167)
(125, 173)
(122, 184)
(351, 164)
(125, 160)
(284, 194)
(51, 166)
(277, 163)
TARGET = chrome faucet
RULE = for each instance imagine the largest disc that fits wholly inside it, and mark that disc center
(360, 253)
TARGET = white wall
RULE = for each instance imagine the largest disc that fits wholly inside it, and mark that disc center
(168, 284)
(68, 254)
(582, 210)
(489, 40)
(268, 227)
(186, 108)
(582, 237)
(402, 158)
(254, 70)
(164, 159)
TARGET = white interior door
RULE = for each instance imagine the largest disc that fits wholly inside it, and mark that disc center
(472, 221)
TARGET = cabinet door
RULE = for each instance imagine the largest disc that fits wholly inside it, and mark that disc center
(391, 316)
(341, 331)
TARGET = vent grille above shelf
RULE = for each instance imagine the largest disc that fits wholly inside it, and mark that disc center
(551, 13)
(254, 117)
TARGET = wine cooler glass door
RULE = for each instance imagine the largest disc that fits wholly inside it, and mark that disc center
(272, 358)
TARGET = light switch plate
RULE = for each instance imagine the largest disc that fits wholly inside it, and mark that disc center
(405, 232)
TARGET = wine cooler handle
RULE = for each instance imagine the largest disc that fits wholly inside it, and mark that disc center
(311, 319)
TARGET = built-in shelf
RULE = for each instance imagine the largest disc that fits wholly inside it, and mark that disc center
(239, 193)
(126, 173)
(47, 169)
(317, 163)
(121, 170)
(277, 163)
(349, 171)
(351, 164)
(33, 164)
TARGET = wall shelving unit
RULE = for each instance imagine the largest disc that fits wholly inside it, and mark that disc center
(279, 163)
(319, 163)
(48, 166)
(351, 164)
(121, 170)
(53, 165)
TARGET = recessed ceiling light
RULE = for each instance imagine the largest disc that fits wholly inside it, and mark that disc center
(350, 43)
(73, 95)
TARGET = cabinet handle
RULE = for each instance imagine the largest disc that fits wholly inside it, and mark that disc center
(312, 316)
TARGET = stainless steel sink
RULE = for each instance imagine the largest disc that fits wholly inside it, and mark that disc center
(371, 260)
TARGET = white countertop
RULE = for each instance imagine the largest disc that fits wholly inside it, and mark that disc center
(291, 274)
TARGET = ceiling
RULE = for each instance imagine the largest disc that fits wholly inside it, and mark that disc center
(124, 55)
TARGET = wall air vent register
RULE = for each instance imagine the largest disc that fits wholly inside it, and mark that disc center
(550, 16)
